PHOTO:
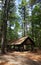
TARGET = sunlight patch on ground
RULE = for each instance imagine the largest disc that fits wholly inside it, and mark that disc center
(20, 58)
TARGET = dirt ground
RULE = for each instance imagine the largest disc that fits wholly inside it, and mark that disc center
(21, 58)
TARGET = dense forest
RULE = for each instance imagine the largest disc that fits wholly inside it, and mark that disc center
(20, 20)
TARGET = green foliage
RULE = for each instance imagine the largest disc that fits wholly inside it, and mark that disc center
(23, 10)
(36, 20)
(33, 21)
(13, 22)
(32, 2)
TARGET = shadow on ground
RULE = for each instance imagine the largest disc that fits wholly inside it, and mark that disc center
(20, 58)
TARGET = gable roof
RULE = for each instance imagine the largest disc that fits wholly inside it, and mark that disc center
(21, 41)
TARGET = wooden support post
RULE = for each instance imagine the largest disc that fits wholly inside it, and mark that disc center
(32, 47)
(18, 48)
(23, 47)
(14, 47)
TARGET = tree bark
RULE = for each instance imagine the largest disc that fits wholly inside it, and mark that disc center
(4, 40)
(24, 22)
(4, 27)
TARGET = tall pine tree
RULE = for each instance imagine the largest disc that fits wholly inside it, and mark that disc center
(23, 10)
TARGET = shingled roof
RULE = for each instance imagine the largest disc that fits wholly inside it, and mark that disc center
(20, 41)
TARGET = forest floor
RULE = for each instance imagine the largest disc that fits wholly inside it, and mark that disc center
(21, 58)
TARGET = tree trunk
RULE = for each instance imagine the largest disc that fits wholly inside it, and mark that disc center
(4, 27)
(32, 31)
(24, 29)
(24, 21)
(4, 40)
(32, 24)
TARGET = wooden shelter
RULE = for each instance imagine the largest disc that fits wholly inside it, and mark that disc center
(21, 44)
